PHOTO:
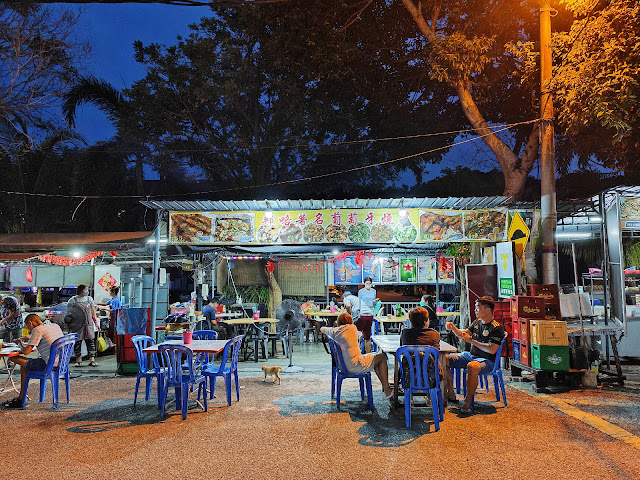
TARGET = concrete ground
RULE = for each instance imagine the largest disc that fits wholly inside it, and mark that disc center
(294, 430)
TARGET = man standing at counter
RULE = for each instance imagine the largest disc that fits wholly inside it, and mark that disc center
(367, 296)
(10, 317)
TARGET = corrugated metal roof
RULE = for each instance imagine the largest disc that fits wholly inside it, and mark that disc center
(446, 203)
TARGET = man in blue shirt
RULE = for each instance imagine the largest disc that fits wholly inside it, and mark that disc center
(224, 331)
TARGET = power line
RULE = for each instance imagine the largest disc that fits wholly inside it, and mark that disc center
(283, 182)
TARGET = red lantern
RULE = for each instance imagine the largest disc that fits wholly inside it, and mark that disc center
(271, 266)
(113, 254)
(29, 274)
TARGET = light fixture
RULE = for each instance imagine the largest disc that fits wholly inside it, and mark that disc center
(336, 252)
(573, 235)
(76, 254)
(153, 240)
(597, 219)
(268, 214)
(403, 213)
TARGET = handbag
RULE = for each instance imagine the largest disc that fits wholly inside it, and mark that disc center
(102, 344)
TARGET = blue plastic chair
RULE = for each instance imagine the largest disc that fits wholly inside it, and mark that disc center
(146, 371)
(341, 373)
(57, 366)
(483, 380)
(417, 357)
(204, 358)
(174, 357)
(375, 330)
(233, 345)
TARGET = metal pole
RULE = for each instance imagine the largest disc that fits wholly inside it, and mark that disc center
(156, 273)
(575, 264)
(547, 152)
(605, 275)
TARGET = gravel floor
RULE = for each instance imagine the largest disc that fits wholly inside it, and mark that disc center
(293, 430)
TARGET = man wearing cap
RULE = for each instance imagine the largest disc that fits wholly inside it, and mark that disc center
(42, 336)
(10, 317)
(485, 336)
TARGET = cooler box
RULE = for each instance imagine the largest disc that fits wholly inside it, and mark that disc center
(527, 307)
(548, 292)
(547, 357)
(549, 332)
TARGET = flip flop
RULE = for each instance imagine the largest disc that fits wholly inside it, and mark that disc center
(93, 364)
(466, 410)
(78, 364)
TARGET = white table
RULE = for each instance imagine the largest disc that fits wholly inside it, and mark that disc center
(7, 352)
(391, 343)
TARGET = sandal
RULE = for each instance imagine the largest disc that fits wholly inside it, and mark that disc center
(78, 364)
(93, 364)
(466, 409)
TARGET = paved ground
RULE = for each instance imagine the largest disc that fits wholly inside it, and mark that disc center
(293, 430)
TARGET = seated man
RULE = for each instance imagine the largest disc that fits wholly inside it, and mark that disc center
(42, 336)
(10, 317)
(485, 336)
(223, 330)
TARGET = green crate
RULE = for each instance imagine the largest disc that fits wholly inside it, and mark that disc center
(550, 357)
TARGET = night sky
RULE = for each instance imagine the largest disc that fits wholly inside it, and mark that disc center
(112, 29)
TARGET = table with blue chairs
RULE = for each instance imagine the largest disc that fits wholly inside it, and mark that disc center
(391, 343)
(191, 372)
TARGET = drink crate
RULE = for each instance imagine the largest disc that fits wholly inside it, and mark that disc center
(548, 357)
(521, 352)
(549, 332)
(552, 312)
(523, 329)
(515, 329)
(548, 292)
(527, 307)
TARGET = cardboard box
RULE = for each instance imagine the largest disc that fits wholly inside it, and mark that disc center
(527, 307)
(572, 305)
(548, 357)
(549, 332)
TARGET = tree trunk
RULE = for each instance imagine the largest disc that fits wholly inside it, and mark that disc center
(275, 293)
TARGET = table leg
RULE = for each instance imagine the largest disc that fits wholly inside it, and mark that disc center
(396, 380)
(9, 378)
(445, 378)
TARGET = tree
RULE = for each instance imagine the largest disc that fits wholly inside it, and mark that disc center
(38, 57)
(596, 81)
(266, 94)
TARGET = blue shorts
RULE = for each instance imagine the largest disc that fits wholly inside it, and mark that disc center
(36, 365)
(461, 360)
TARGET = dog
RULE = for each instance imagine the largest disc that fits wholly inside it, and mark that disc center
(273, 371)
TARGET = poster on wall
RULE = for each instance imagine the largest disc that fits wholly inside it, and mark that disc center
(446, 270)
(389, 271)
(408, 270)
(427, 270)
(506, 277)
(371, 267)
(105, 277)
(347, 272)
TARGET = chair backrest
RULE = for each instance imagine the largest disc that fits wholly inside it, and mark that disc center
(376, 327)
(205, 335)
(417, 358)
(336, 351)
(175, 358)
(140, 342)
(65, 350)
(496, 364)
(232, 345)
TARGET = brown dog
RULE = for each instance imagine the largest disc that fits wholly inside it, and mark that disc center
(273, 371)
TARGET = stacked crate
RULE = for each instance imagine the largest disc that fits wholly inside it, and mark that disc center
(551, 299)
(549, 345)
(502, 314)
(523, 310)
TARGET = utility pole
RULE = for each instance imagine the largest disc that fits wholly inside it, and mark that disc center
(547, 152)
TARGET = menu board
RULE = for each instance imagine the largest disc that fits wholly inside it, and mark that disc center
(337, 226)
(630, 213)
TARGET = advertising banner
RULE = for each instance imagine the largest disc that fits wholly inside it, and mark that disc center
(339, 226)
(105, 277)
(630, 213)
(506, 276)
(408, 270)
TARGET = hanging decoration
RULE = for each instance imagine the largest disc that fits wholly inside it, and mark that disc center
(69, 261)
(271, 266)
(29, 274)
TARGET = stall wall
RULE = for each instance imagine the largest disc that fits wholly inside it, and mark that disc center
(52, 276)
(295, 280)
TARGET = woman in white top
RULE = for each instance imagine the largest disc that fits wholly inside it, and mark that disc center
(346, 335)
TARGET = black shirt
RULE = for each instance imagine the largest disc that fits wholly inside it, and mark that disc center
(491, 332)
(433, 318)
(425, 336)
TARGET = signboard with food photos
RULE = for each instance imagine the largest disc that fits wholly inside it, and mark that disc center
(630, 213)
(337, 226)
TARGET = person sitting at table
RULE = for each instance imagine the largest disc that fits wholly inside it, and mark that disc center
(346, 335)
(427, 303)
(10, 317)
(420, 333)
(223, 330)
(485, 336)
(42, 336)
